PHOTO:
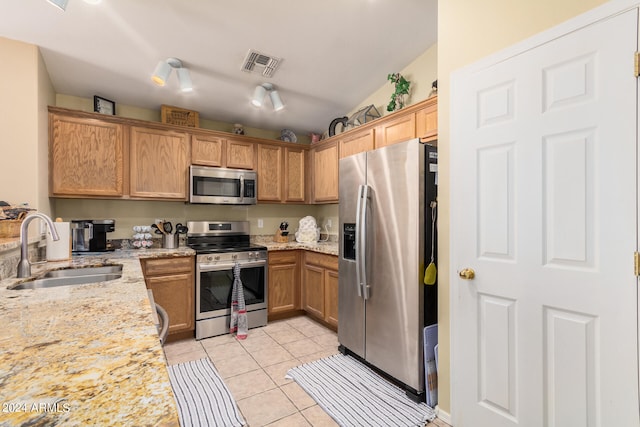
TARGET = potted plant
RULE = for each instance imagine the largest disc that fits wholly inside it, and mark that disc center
(401, 90)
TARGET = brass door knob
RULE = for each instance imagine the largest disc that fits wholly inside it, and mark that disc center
(467, 273)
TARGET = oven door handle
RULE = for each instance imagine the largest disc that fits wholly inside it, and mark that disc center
(230, 265)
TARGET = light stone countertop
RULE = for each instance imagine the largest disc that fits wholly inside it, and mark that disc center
(328, 248)
(93, 349)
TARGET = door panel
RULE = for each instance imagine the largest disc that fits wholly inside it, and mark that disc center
(544, 210)
(395, 256)
(351, 309)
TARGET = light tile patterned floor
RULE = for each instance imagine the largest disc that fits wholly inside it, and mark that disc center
(254, 370)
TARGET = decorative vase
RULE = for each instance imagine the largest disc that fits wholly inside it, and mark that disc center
(400, 101)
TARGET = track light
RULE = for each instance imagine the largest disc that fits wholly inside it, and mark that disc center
(60, 4)
(260, 93)
(163, 70)
(184, 79)
(276, 101)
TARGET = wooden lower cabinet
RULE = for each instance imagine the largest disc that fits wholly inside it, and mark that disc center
(172, 282)
(313, 290)
(320, 287)
(302, 281)
(331, 297)
(283, 295)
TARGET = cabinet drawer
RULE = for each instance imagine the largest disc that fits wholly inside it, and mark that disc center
(283, 257)
(326, 261)
(160, 266)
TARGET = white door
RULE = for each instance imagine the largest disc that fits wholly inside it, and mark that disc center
(544, 211)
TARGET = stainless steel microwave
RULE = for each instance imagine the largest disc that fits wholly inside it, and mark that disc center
(222, 186)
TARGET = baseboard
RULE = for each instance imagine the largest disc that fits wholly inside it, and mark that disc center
(444, 416)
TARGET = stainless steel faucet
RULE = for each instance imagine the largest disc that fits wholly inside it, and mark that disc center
(24, 267)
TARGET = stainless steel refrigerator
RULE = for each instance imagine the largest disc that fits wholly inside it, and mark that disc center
(385, 245)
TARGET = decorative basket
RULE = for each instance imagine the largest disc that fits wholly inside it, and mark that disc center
(179, 116)
(10, 228)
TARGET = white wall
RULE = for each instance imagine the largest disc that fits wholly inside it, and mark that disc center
(26, 91)
(421, 72)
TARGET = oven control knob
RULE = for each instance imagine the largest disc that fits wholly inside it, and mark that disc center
(252, 255)
(234, 256)
(217, 258)
(209, 258)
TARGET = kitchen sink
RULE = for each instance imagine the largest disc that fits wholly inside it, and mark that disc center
(85, 271)
(72, 276)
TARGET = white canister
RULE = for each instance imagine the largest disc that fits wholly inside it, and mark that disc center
(60, 249)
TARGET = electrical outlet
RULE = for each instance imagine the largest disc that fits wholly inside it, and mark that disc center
(329, 223)
(260, 223)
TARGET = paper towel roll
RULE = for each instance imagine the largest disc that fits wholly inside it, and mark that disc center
(61, 249)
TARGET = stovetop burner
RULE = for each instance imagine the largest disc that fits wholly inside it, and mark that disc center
(208, 237)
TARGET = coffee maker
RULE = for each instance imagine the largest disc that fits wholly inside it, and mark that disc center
(90, 235)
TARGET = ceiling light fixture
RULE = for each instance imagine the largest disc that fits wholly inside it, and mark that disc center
(260, 93)
(163, 70)
(60, 4)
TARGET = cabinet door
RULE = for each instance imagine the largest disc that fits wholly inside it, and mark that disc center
(357, 143)
(294, 165)
(283, 288)
(313, 290)
(175, 294)
(269, 173)
(86, 157)
(427, 123)
(159, 164)
(331, 297)
(240, 155)
(399, 129)
(325, 173)
(207, 150)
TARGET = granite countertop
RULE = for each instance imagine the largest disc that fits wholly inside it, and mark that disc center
(84, 354)
(328, 248)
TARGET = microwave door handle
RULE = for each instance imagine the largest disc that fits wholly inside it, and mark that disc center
(90, 230)
(241, 188)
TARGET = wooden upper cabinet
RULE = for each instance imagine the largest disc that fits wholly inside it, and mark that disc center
(207, 150)
(281, 176)
(294, 166)
(86, 157)
(240, 155)
(357, 143)
(159, 161)
(427, 123)
(270, 173)
(400, 129)
(325, 172)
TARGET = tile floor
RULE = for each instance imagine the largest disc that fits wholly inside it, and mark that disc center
(254, 370)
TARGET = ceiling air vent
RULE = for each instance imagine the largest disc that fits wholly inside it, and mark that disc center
(259, 62)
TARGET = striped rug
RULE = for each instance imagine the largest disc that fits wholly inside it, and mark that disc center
(354, 395)
(203, 399)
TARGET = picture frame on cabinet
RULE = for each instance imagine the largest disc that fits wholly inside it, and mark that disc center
(103, 105)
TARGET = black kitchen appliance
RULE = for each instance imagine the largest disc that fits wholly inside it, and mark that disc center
(90, 235)
(219, 246)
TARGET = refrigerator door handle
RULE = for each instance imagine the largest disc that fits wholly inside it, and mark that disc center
(358, 233)
(363, 242)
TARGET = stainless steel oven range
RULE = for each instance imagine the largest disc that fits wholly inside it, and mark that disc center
(219, 245)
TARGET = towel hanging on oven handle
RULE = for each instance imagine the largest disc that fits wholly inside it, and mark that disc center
(239, 323)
